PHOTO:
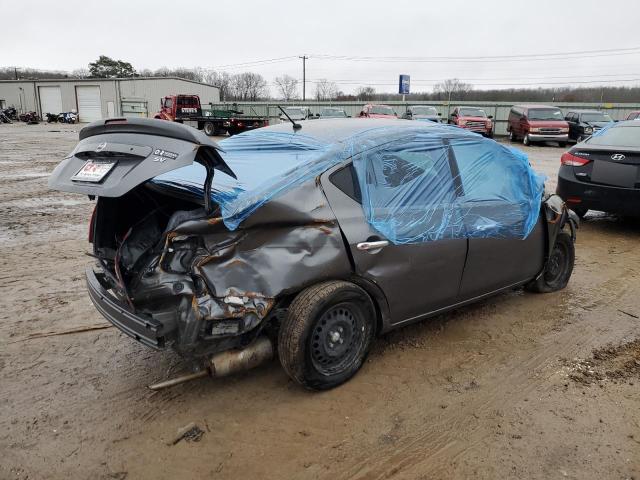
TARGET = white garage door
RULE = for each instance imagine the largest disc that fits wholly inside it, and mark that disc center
(89, 104)
(50, 100)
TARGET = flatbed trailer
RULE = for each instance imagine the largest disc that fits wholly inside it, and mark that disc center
(187, 109)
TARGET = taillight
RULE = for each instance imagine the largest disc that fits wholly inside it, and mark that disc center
(91, 224)
(573, 161)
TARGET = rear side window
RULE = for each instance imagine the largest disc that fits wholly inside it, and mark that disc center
(345, 179)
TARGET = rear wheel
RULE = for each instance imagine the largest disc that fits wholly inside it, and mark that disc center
(559, 267)
(512, 136)
(326, 334)
(208, 128)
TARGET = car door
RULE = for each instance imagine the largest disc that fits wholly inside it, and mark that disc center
(486, 198)
(417, 278)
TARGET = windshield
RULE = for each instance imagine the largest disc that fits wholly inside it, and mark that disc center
(332, 112)
(382, 110)
(472, 112)
(545, 114)
(617, 136)
(295, 113)
(596, 117)
(424, 111)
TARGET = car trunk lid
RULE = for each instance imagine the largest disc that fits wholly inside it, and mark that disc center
(115, 156)
(608, 166)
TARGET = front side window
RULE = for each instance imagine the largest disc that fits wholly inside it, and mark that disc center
(424, 111)
(168, 103)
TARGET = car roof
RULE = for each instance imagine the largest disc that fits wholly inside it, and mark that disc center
(533, 105)
(585, 111)
(332, 131)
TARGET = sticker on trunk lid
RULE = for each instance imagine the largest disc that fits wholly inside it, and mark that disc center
(93, 171)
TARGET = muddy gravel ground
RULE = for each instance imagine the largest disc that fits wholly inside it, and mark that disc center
(518, 386)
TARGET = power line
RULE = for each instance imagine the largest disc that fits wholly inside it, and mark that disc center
(477, 59)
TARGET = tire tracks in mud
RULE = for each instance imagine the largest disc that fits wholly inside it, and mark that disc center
(435, 449)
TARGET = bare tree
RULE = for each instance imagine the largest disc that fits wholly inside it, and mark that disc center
(365, 93)
(452, 88)
(248, 86)
(222, 80)
(287, 87)
(326, 90)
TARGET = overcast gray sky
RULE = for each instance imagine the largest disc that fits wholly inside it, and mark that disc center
(152, 34)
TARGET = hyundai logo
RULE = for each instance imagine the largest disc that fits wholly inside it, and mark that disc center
(617, 157)
(103, 145)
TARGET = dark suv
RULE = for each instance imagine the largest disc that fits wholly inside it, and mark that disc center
(584, 123)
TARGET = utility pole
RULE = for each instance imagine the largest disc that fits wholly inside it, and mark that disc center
(15, 72)
(304, 77)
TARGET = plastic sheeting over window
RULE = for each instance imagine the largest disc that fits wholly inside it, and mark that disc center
(419, 182)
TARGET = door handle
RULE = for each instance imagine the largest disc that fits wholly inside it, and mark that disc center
(368, 246)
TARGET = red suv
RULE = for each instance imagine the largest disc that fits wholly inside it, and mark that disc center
(472, 118)
(537, 123)
(378, 111)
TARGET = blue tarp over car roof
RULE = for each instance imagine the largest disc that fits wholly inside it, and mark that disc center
(419, 181)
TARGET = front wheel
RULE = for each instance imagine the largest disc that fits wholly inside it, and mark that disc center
(326, 334)
(562, 144)
(526, 140)
(559, 267)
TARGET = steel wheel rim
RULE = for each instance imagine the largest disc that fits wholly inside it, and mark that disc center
(556, 265)
(337, 339)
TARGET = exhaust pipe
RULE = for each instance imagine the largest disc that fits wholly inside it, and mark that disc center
(227, 363)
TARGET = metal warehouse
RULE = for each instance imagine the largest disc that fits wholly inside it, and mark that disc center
(97, 98)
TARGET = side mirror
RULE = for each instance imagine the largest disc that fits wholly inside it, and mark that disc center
(490, 117)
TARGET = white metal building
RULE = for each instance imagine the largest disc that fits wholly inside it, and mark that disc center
(97, 98)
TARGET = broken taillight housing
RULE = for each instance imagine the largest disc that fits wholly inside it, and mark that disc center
(92, 224)
(573, 161)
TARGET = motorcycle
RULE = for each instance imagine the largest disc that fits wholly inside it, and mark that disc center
(30, 118)
(53, 118)
(8, 115)
(68, 117)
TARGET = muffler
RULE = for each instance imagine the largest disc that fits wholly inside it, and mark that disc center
(227, 363)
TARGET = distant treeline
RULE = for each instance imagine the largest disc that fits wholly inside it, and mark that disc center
(252, 86)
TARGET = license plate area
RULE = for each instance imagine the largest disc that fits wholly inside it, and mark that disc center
(94, 171)
(615, 174)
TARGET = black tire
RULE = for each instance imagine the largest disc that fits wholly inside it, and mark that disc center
(326, 335)
(562, 144)
(580, 211)
(559, 267)
(526, 141)
(512, 136)
(209, 128)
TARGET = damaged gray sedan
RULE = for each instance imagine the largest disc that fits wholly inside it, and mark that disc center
(305, 241)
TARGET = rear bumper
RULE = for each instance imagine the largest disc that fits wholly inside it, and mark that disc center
(623, 201)
(143, 328)
(542, 137)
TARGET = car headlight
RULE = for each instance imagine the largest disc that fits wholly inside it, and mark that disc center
(534, 130)
(588, 130)
(462, 122)
(564, 130)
